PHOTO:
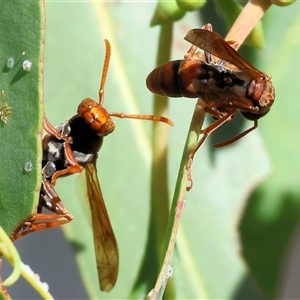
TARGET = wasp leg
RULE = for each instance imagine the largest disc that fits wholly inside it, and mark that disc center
(205, 133)
(40, 221)
(237, 137)
(74, 166)
(53, 131)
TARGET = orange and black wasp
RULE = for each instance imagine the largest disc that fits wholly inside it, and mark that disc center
(221, 77)
(72, 147)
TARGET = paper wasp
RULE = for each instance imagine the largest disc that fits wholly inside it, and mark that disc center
(222, 78)
(72, 147)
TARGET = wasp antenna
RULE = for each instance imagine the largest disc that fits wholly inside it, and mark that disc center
(143, 117)
(104, 71)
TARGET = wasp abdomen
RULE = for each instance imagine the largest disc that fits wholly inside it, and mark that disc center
(163, 80)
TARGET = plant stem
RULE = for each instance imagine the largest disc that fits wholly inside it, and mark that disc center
(178, 202)
(247, 19)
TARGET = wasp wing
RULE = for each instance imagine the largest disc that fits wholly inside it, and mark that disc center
(213, 43)
(107, 255)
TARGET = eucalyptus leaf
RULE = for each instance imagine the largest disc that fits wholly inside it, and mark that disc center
(21, 83)
(273, 212)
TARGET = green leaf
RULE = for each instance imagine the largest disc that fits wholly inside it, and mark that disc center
(22, 38)
(272, 214)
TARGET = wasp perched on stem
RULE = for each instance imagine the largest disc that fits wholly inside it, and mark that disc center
(72, 147)
(223, 79)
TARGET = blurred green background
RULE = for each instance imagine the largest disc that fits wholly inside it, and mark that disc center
(208, 261)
